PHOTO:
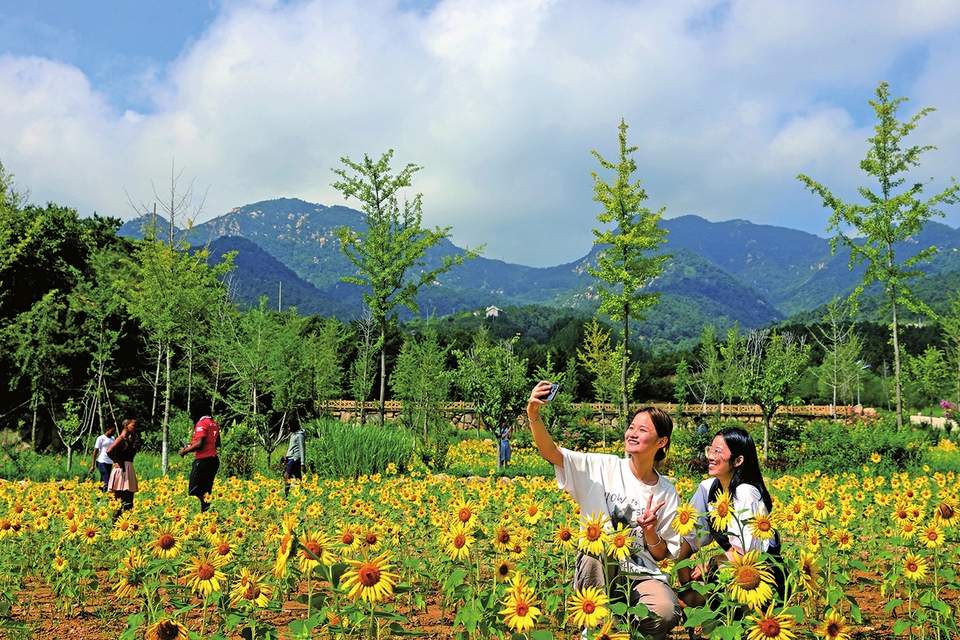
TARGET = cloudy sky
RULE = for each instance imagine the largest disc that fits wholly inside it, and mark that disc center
(500, 102)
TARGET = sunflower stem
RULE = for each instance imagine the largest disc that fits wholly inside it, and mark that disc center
(309, 591)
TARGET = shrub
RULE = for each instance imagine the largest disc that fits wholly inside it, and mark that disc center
(835, 447)
(237, 446)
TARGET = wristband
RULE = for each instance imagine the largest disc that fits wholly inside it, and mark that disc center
(655, 544)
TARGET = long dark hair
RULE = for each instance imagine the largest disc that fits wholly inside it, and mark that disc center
(740, 443)
(663, 423)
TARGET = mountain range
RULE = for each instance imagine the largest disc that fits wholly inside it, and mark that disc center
(720, 273)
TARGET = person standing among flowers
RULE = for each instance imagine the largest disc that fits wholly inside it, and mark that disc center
(632, 494)
(123, 478)
(295, 458)
(101, 461)
(734, 507)
(503, 445)
(206, 463)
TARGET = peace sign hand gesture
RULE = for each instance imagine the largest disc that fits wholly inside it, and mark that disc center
(648, 519)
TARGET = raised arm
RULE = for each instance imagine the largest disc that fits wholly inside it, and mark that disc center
(545, 444)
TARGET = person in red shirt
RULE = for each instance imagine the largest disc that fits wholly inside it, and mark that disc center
(206, 463)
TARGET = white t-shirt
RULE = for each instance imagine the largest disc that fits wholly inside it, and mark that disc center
(746, 503)
(603, 483)
(101, 445)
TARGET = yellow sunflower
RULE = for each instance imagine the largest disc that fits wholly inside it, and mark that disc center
(587, 607)
(820, 507)
(287, 541)
(605, 632)
(770, 626)
(533, 512)
(564, 538)
(751, 580)
(203, 572)
(620, 543)
(370, 580)
(875, 458)
(914, 567)
(844, 539)
(520, 611)
(834, 627)
(947, 513)
(166, 543)
(124, 527)
(313, 549)
(90, 534)
(459, 539)
(59, 563)
(222, 546)
(504, 570)
(686, 519)
(166, 630)
(350, 538)
(131, 574)
(250, 590)
(809, 572)
(503, 538)
(761, 526)
(932, 536)
(371, 540)
(593, 537)
(721, 510)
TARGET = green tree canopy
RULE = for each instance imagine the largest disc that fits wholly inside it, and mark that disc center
(387, 255)
(623, 266)
(893, 212)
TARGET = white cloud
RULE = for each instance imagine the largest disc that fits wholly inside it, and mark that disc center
(501, 102)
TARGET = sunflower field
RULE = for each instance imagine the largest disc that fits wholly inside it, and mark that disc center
(865, 555)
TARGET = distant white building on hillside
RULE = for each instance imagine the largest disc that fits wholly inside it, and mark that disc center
(493, 312)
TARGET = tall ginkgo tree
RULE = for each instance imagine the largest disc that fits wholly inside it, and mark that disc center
(629, 259)
(893, 213)
(390, 255)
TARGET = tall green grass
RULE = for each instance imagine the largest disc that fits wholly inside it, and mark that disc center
(340, 450)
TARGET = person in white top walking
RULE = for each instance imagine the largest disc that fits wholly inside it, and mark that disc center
(630, 492)
(101, 461)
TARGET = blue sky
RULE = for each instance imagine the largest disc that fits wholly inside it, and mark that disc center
(501, 102)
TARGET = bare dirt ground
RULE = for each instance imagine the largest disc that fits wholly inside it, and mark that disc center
(37, 610)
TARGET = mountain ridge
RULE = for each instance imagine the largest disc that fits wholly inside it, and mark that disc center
(723, 273)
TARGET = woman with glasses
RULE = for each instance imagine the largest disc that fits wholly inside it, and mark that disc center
(631, 493)
(734, 468)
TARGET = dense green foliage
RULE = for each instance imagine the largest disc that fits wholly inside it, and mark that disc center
(893, 213)
(339, 450)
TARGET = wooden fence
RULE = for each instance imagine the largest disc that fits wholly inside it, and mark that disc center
(463, 413)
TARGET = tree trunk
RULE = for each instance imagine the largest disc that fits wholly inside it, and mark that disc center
(603, 422)
(766, 432)
(383, 371)
(33, 426)
(164, 447)
(623, 365)
(189, 376)
(896, 363)
(156, 384)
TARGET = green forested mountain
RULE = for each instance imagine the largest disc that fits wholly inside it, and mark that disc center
(721, 273)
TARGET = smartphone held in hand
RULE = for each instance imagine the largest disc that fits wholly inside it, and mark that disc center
(553, 393)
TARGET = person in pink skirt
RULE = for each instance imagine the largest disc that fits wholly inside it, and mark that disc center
(123, 479)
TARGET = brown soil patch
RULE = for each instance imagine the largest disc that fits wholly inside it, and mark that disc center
(102, 619)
